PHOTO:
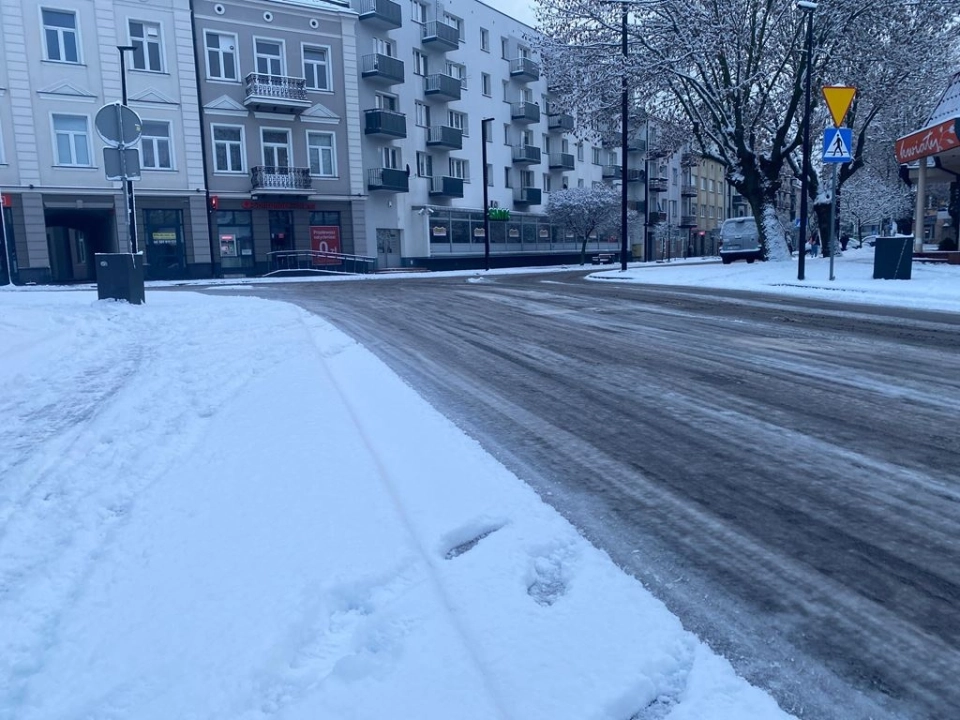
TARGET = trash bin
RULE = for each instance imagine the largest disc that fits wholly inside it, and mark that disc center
(120, 277)
(893, 258)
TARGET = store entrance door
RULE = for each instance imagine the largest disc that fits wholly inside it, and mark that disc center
(281, 231)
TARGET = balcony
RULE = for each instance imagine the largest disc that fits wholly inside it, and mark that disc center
(524, 69)
(689, 159)
(635, 175)
(561, 122)
(445, 186)
(635, 144)
(382, 14)
(656, 217)
(525, 112)
(560, 161)
(275, 93)
(657, 184)
(382, 69)
(442, 136)
(387, 123)
(525, 154)
(688, 221)
(283, 180)
(526, 196)
(388, 180)
(443, 88)
(611, 172)
(688, 190)
(439, 36)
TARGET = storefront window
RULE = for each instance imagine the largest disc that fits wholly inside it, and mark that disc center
(164, 244)
(8, 252)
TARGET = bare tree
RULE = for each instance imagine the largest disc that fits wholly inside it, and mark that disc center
(732, 72)
(585, 211)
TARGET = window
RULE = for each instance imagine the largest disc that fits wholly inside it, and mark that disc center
(676, 175)
(390, 157)
(221, 56)
(489, 175)
(316, 68)
(155, 145)
(527, 178)
(384, 47)
(321, 151)
(422, 113)
(60, 35)
(507, 180)
(484, 39)
(383, 101)
(424, 165)
(418, 11)
(456, 70)
(580, 151)
(148, 48)
(546, 183)
(485, 85)
(459, 120)
(268, 57)
(596, 156)
(504, 49)
(227, 149)
(460, 169)
(419, 63)
(456, 22)
(276, 147)
(72, 140)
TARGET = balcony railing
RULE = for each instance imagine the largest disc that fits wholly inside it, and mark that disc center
(275, 92)
(442, 87)
(657, 184)
(385, 122)
(381, 68)
(656, 217)
(560, 161)
(527, 154)
(525, 112)
(380, 13)
(444, 136)
(527, 196)
(267, 178)
(440, 36)
(611, 172)
(562, 122)
(635, 175)
(524, 69)
(688, 190)
(688, 221)
(388, 180)
(445, 186)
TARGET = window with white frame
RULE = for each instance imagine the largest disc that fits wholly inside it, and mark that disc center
(527, 179)
(526, 137)
(228, 149)
(580, 183)
(72, 140)
(384, 47)
(421, 114)
(456, 22)
(489, 174)
(268, 57)
(419, 63)
(321, 151)
(424, 165)
(390, 157)
(418, 11)
(316, 67)
(386, 101)
(460, 169)
(155, 145)
(459, 120)
(596, 156)
(276, 147)
(504, 49)
(221, 55)
(484, 39)
(60, 35)
(147, 45)
(507, 178)
(580, 151)
(485, 85)
(546, 183)
(458, 71)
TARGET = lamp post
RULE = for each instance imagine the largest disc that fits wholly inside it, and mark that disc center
(486, 204)
(807, 8)
(624, 120)
(127, 183)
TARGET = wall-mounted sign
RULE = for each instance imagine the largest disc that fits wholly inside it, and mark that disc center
(325, 239)
(267, 205)
(6, 201)
(438, 231)
(478, 232)
(164, 236)
(544, 233)
(513, 232)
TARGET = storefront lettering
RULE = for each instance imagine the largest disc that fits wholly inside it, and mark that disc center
(927, 142)
(265, 205)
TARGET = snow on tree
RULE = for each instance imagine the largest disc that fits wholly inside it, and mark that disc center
(732, 73)
(585, 211)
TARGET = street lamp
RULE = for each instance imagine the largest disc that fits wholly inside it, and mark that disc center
(486, 204)
(128, 184)
(807, 7)
(624, 119)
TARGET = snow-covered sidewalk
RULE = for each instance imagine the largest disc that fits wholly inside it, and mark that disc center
(225, 508)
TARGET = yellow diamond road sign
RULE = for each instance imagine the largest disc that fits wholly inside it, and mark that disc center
(838, 100)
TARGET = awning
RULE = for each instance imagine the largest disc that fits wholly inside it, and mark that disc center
(939, 137)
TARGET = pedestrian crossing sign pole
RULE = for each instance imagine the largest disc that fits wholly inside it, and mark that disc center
(837, 148)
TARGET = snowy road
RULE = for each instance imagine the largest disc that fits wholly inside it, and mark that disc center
(790, 466)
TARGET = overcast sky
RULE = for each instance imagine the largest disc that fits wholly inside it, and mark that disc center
(522, 10)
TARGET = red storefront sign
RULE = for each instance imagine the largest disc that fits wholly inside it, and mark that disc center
(6, 201)
(278, 205)
(929, 141)
(325, 239)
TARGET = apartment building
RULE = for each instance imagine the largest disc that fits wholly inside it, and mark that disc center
(432, 76)
(59, 63)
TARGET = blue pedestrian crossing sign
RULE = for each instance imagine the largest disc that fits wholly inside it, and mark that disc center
(837, 144)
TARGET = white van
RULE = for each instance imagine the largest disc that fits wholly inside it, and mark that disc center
(740, 240)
